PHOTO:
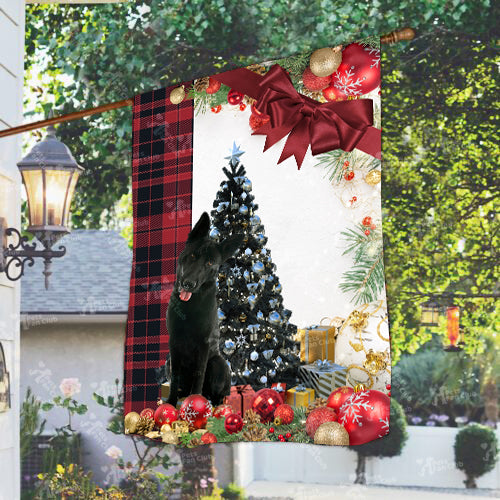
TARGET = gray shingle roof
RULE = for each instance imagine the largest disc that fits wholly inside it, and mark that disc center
(93, 277)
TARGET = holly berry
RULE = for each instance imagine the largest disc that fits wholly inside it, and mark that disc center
(288, 435)
(349, 176)
(367, 232)
(216, 109)
(367, 221)
(346, 163)
(354, 198)
(388, 387)
(271, 430)
(389, 393)
(280, 437)
(243, 106)
(213, 86)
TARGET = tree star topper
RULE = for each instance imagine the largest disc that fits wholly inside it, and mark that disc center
(234, 154)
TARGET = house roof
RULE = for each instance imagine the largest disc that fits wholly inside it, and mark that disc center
(92, 278)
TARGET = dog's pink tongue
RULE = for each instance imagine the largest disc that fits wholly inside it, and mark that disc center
(184, 295)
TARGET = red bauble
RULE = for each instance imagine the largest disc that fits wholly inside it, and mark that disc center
(332, 93)
(148, 413)
(222, 411)
(359, 72)
(265, 402)
(317, 417)
(365, 416)
(257, 121)
(165, 414)
(195, 410)
(208, 438)
(313, 82)
(285, 413)
(338, 397)
(234, 97)
(349, 176)
(243, 106)
(213, 86)
(233, 423)
(367, 221)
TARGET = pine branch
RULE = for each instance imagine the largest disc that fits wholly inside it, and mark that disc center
(204, 102)
(295, 65)
(371, 41)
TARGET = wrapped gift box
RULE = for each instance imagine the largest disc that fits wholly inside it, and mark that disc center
(317, 342)
(240, 398)
(279, 387)
(165, 393)
(323, 376)
(299, 396)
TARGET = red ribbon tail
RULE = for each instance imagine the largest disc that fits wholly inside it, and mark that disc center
(297, 143)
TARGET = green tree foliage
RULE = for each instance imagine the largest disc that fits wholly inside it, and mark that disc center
(476, 452)
(440, 183)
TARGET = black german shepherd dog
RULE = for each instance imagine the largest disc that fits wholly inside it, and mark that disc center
(195, 361)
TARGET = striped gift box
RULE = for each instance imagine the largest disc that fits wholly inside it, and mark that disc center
(323, 376)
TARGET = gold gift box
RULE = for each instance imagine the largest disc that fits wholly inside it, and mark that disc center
(317, 342)
(299, 396)
(165, 393)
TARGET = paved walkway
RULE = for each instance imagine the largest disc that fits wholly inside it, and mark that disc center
(278, 490)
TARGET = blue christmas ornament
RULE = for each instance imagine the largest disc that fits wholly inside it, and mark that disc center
(220, 314)
(272, 373)
(254, 356)
(258, 267)
(262, 282)
(247, 185)
(277, 287)
(273, 302)
(260, 316)
(248, 251)
(252, 299)
(247, 276)
(275, 318)
(214, 233)
(268, 354)
(261, 239)
(263, 379)
(243, 210)
(255, 220)
(229, 347)
(252, 287)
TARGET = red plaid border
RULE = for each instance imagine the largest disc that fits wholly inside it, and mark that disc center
(162, 171)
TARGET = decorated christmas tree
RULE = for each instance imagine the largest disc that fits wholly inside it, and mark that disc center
(256, 336)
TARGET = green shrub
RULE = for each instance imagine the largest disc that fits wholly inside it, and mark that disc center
(476, 452)
(233, 492)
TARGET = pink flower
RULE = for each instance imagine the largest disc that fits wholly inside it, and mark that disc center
(203, 483)
(70, 386)
(114, 452)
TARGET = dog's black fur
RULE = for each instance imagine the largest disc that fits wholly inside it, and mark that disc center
(196, 364)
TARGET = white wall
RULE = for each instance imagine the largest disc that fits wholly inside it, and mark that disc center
(11, 88)
(427, 460)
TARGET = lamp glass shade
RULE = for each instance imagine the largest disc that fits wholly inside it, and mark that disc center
(452, 324)
(49, 191)
(429, 314)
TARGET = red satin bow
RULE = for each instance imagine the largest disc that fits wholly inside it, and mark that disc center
(324, 126)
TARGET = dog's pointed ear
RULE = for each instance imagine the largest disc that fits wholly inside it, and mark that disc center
(229, 246)
(200, 230)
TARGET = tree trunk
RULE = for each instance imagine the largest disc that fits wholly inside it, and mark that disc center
(198, 463)
(361, 470)
(470, 482)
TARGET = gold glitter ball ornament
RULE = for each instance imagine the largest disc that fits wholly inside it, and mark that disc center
(165, 428)
(170, 437)
(373, 178)
(332, 434)
(177, 95)
(325, 61)
(131, 420)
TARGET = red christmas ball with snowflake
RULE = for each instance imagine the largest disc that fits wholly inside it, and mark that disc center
(234, 97)
(359, 72)
(313, 82)
(285, 413)
(317, 417)
(332, 93)
(222, 411)
(208, 438)
(195, 410)
(365, 416)
(338, 397)
(233, 423)
(148, 413)
(265, 402)
(165, 414)
(213, 86)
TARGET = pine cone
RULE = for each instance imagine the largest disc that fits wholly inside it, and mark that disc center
(257, 68)
(195, 442)
(201, 84)
(144, 425)
(255, 433)
(251, 417)
(318, 402)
